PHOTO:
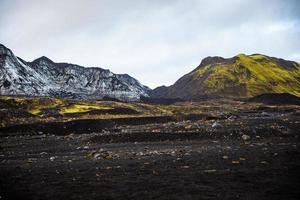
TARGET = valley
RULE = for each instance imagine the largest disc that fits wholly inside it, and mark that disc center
(149, 100)
(229, 129)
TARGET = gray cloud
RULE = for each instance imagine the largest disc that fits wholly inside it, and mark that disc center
(155, 41)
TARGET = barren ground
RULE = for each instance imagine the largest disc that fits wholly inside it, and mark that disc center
(249, 154)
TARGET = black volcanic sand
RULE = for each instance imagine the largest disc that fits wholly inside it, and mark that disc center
(253, 155)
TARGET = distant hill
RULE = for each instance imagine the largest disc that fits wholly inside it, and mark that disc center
(44, 77)
(240, 76)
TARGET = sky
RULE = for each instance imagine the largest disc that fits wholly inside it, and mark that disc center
(155, 41)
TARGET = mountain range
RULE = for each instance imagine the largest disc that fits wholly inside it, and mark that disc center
(240, 76)
(43, 77)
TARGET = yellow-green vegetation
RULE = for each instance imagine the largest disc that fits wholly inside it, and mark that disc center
(36, 106)
(248, 76)
(30, 110)
(80, 108)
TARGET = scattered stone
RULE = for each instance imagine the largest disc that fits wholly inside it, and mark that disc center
(102, 154)
(70, 136)
(96, 155)
(91, 154)
(232, 118)
(225, 157)
(210, 170)
(217, 125)
(185, 167)
(31, 160)
(155, 172)
(52, 158)
(245, 137)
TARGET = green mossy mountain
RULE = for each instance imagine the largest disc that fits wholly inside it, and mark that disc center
(240, 76)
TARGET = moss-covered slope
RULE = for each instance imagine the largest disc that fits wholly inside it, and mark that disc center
(240, 76)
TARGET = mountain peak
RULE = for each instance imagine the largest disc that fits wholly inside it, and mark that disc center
(5, 51)
(211, 60)
(43, 59)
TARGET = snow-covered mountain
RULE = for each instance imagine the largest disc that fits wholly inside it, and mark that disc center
(43, 77)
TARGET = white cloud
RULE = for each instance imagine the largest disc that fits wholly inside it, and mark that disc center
(154, 41)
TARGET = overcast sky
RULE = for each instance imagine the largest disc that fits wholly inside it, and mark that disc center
(155, 41)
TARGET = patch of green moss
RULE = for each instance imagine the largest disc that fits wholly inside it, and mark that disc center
(35, 106)
(80, 108)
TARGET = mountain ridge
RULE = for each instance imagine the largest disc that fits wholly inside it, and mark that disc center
(44, 77)
(241, 76)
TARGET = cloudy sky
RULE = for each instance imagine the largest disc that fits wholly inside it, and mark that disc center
(155, 41)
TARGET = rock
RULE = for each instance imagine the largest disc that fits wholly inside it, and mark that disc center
(52, 158)
(70, 136)
(155, 172)
(185, 167)
(102, 155)
(210, 170)
(91, 154)
(217, 125)
(97, 155)
(265, 114)
(30, 160)
(225, 157)
(108, 157)
(232, 118)
(264, 162)
(245, 137)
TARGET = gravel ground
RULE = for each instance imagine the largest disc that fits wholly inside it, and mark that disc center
(255, 156)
